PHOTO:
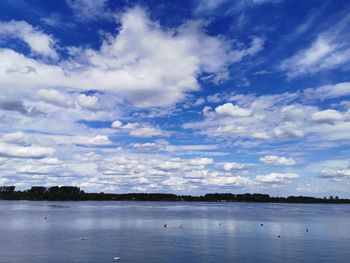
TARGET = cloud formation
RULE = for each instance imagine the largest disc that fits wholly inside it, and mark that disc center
(188, 102)
(329, 50)
(39, 42)
(16, 151)
(277, 160)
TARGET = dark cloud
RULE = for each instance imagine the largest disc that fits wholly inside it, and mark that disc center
(15, 105)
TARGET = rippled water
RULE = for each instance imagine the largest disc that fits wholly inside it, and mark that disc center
(195, 232)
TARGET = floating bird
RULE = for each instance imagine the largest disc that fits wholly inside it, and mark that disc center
(262, 224)
(278, 236)
(116, 258)
(307, 230)
(165, 225)
(45, 218)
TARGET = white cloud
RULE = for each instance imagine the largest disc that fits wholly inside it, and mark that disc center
(178, 149)
(69, 140)
(334, 169)
(208, 5)
(329, 50)
(327, 116)
(234, 166)
(261, 136)
(88, 102)
(338, 174)
(276, 178)
(200, 161)
(39, 42)
(15, 137)
(328, 91)
(228, 109)
(145, 64)
(90, 10)
(334, 132)
(276, 118)
(255, 47)
(98, 140)
(228, 181)
(55, 97)
(15, 151)
(190, 147)
(277, 160)
(143, 130)
(147, 146)
(288, 132)
(117, 124)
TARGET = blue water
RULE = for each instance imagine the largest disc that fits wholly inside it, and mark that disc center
(195, 232)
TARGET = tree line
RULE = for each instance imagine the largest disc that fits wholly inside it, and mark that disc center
(73, 193)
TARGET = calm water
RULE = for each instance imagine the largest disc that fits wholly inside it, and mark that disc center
(196, 232)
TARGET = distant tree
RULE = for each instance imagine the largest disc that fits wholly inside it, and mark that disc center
(38, 190)
(72, 190)
(53, 189)
(7, 189)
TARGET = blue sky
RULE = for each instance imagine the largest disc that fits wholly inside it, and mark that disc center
(186, 97)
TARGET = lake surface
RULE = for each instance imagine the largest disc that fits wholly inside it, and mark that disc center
(195, 232)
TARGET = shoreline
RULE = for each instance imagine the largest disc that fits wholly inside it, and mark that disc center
(74, 193)
(174, 201)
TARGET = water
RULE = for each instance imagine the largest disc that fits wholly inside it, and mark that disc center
(195, 232)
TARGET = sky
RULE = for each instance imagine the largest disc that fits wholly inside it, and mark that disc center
(187, 97)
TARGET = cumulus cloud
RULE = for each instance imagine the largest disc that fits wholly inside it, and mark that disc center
(276, 178)
(139, 129)
(55, 97)
(228, 109)
(234, 166)
(146, 146)
(61, 110)
(146, 64)
(275, 118)
(277, 160)
(16, 151)
(98, 140)
(328, 91)
(337, 170)
(14, 137)
(327, 116)
(117, 124)
(59, 140)
(178, 149)
(89, 102)
(151, 171)
(229, 181)
(39, 42)
(338, 174)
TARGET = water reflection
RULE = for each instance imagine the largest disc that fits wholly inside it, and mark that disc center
(195, 232)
